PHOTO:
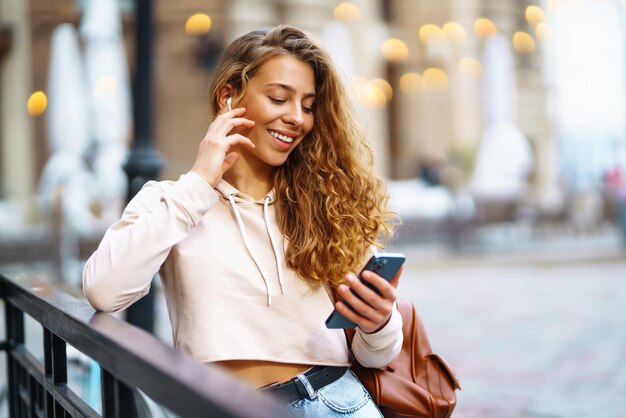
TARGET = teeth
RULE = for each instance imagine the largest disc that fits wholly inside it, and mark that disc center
(283, 138)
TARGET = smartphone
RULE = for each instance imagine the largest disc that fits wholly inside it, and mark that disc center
(386, 265)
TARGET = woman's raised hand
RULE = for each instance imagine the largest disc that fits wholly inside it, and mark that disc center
(372, 310)
(214, 156)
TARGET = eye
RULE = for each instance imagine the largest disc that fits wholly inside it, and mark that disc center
(307, 109)
(276, 100)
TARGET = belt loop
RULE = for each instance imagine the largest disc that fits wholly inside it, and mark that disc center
(307, 385)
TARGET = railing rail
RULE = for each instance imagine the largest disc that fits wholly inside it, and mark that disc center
(128, 357)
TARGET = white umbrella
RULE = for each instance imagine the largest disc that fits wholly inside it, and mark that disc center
(504, 158)
(68, 132)
(65, 181)
(109, 93)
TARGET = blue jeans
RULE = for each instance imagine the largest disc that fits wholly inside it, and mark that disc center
(345, 397)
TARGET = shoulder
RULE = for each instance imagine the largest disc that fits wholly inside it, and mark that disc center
(190, 190)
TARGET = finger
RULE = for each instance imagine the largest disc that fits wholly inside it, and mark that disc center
(223, 126)
(370, 296)
(386, 290)
(237, 111)
(229, 161)
(360, 321)
(238, 139)
(234, 122)
(361, 307)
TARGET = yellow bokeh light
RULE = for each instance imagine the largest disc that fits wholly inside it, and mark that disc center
(484, 28)
(395, 50)
(198, 24)
(455, 32)
(37, 103)
(411, 83)
(534, 15)
(435, 79)
(430, 33)
(470, 66)
(385, 87)
(370, 95)
(347, 12)
(544, 31)
(523, 43)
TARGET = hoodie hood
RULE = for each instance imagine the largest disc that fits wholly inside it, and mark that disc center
(225, 189)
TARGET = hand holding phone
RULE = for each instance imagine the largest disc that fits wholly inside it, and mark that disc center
(385, 265)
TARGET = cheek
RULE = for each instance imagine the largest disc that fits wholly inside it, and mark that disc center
(309, 124)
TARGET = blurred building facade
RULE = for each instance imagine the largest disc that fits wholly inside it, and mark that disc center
(432, 115)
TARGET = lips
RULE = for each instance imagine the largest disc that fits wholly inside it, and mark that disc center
(283, 136)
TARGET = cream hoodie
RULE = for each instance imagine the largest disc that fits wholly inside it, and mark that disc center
(229, 293)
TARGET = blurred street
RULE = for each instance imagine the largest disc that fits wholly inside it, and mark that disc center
(498, 126)
(531, 332)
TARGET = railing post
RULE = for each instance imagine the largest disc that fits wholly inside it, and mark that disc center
(55, 358)
(117, 398)
(144, 161)
(14, 337)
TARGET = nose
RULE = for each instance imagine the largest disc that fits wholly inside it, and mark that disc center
(294, 116)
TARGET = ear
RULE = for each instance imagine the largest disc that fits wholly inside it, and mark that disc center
(223, 93)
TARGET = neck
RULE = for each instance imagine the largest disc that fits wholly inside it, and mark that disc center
(250, 176)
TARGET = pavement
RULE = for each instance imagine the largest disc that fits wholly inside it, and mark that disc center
(535, 330)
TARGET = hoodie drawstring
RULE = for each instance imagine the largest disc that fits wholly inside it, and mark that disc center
(246, 241)
(276, 252)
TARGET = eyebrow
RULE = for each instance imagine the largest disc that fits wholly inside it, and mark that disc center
(289, 89)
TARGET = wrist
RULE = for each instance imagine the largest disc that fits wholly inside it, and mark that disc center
(379, 328)
(211, 181)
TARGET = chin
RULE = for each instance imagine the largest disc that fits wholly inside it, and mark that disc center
(274, 160)
(277, 162)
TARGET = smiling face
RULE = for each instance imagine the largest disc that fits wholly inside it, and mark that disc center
(279, 98)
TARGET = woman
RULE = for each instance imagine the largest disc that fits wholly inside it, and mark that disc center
(279, 208)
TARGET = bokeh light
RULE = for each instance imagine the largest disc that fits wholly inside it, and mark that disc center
(435, 79)
(385, 87)
(370, 95)
(411, 83)
(523, 43)
(544, 31)
(198, 24)
(484, 28)
(347, 12)
(534, 15)
(37, 103)
(471, 67)
(395, 50)
(430, 33)
(455, 32)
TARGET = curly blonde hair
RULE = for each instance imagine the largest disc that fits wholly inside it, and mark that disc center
(330, 204)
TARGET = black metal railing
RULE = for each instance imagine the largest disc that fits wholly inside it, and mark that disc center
(129, 358)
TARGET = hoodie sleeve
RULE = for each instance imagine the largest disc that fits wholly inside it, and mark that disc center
(120, 271)
(379, 349)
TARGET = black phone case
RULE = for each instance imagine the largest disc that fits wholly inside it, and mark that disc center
(386, 265)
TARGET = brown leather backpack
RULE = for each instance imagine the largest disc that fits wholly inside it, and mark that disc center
(418, 383)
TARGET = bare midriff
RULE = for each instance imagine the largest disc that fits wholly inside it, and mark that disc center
(259, 373)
